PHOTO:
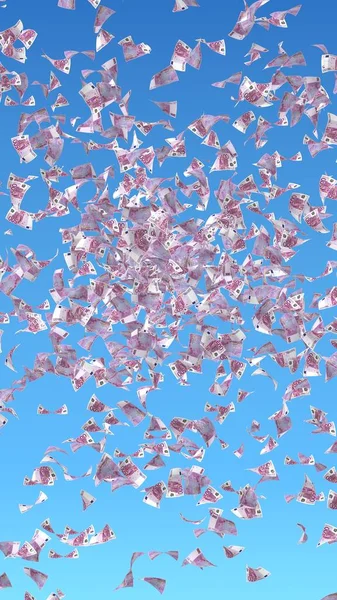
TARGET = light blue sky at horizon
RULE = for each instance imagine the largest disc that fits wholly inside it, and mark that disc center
(297, 571)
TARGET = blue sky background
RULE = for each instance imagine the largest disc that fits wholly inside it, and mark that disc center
(298, 571)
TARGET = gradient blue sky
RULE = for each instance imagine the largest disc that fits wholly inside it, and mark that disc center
(297, 571)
